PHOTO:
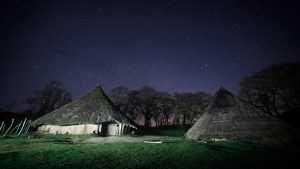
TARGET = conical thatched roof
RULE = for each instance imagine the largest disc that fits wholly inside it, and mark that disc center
(230, 117)
(92, 108)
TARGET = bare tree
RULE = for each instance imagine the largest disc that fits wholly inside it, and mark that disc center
(120, 96)
(189, 105)
(153, 106)
(9, 107)
(132, 111)
(145, 103)
(274, 89)
(51, 97)
(162, 108)
(126, 101)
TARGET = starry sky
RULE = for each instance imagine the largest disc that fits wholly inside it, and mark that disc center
(174, 46)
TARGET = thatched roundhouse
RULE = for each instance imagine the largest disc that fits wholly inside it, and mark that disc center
(92, 113)
(232, 118)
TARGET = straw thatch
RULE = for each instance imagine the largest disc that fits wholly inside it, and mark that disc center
(93, 108)
(232, 118)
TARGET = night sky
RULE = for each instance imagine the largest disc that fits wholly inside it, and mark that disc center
(174, 46)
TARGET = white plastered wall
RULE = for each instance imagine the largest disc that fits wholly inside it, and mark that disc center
(114, 129)
(72, 129)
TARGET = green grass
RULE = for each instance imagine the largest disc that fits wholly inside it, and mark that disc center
(161, 131)
(57, 152)
(18, 140)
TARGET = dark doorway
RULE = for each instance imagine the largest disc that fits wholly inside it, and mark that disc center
(104, 129)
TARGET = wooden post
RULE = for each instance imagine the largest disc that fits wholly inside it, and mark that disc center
(22, 127)
(98, 121)
(19, 127)
(14, 128)
(3, 128)
(28, 126)
(12, 122)
(2, 124)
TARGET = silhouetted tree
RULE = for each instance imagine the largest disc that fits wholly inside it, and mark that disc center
(189, 105)
(274, 89)
(145, 103)
(151, 105)
(167, 103)
(120, 96)
(126, 101)
(8, 107)
(51, 97)
(162, 107)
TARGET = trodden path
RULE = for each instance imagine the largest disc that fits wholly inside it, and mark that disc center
(130, 139)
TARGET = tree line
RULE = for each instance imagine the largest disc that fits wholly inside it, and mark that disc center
(145, 106)
(275, 90)
(153, 107)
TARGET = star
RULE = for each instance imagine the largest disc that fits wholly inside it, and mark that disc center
(167, 45)
(36, 67)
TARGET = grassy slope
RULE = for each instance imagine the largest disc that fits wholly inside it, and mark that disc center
(43, 152)
(161, 131)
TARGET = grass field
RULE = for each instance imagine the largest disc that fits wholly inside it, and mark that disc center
(70, 152)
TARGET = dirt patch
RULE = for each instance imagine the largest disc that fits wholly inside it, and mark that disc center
(112, 139)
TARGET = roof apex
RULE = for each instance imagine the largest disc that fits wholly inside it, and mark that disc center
(222, 98)
(222, 89)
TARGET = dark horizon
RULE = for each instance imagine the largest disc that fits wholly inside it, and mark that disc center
(173, 46)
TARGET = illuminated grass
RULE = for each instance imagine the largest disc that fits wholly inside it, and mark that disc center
(162, 131)
(56, 152)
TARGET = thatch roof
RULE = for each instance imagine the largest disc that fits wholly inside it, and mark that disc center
(230, 117)
(94, 107)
